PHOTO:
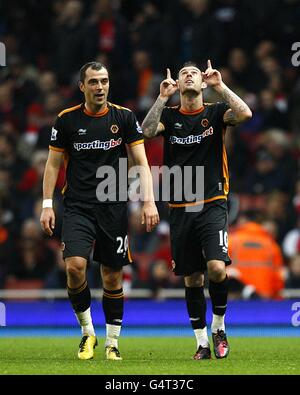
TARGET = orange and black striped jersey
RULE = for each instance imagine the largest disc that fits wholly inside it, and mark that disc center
(191, 140)
(90, 142)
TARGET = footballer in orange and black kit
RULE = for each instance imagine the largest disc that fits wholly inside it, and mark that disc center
(93, 138)
(194, 135)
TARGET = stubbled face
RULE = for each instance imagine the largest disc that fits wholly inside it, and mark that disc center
(190, 80)
(95, 87)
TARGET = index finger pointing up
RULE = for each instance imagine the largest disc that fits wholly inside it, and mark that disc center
(168, 74)
(209, 64)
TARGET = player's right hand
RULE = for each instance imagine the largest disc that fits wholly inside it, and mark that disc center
(168, 86)
(47, 221)
(150, 216)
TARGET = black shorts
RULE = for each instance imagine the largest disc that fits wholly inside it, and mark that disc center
(102, 226)
(198, 237)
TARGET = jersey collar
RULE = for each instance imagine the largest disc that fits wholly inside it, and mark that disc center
(98, 114)
(191, 112)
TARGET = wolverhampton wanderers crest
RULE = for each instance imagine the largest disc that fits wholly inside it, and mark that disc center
(114, 128)
(204, 122)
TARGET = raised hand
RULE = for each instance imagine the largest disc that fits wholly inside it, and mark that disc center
(168, 86)
(211, 76)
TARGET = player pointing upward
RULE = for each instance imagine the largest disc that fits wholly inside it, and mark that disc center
(194, 136)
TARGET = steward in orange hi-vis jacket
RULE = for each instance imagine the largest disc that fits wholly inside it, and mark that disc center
(257, 259)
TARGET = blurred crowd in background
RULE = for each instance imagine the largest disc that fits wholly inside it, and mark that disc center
(248, 41)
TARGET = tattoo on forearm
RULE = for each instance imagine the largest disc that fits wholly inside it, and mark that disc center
(152, 119)
(230, 118)
(236, 103)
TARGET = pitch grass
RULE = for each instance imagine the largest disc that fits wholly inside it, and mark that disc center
(149, 356)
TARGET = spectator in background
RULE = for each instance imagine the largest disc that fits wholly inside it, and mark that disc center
(160, 269)
(265, 176)
(162, 249)
(293, 274)
(32, 179)
(48, 100)
(7, 128)
(271, 116)
(10, 159)
(22, 76)
(7, 255)
(185, 23)
(278, 143)
(270, 227)
(244, 73)
(202, 24)
(108, 34)
(296, 197)
(264, 48)
(159, 277)
(30, 186)
(46, 83)
(53, 103)
(277, 85)
(278, 209)
(257, 261)
(145, 29)
(9, 110)
(275, 167)
(294, 103)
(291, 241)
(145, 81)
(34, 259)
(236, 20)
(69, 34)
(238, 156)
(140, 240)
(8, 205)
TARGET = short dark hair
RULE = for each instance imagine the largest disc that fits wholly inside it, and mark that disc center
(190, 63)
(93, 66)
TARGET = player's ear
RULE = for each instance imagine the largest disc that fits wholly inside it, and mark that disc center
(177, 83)
(81, 86)
(203, 85)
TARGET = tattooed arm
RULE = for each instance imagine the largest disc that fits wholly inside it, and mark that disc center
(239, 111)
(151, 125)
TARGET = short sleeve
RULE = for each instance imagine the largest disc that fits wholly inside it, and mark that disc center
(221, 108)
(133, 133)
(164, 117)
(58, 135)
